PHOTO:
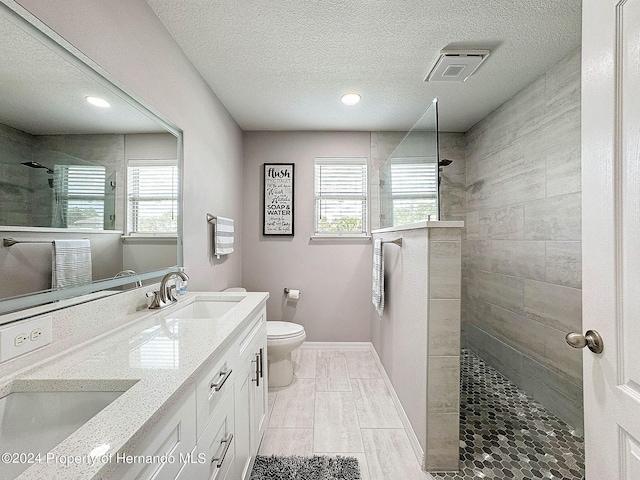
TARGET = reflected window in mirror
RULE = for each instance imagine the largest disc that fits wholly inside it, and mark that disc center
(79, 197)
(152, 197)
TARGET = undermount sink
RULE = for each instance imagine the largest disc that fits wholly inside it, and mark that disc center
(211, 308)
(34, 423)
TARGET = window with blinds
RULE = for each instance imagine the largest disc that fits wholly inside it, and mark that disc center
(340, 196)
(414, 189)
(79, 196)
(152, 196)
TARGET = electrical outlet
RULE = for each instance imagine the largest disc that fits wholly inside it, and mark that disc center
(20, 339)
(16, 340)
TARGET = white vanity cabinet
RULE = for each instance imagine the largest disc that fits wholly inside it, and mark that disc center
(213, 432)
(251, 396)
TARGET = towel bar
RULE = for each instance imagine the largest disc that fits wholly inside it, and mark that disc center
(9, 242)
(397, 241)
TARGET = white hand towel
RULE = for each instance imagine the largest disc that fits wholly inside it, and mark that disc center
(70, 263)
(377, 291)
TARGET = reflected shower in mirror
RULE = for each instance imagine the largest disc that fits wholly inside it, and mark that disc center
(70, 169)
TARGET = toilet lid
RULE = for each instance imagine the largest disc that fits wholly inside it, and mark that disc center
(276, 330)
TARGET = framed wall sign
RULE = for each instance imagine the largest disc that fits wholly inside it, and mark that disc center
(278, 199)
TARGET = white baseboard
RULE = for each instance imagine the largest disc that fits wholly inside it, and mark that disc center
(336, 345)
(413, 439)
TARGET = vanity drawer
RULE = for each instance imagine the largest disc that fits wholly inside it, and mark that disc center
(217, 443)
(211, 388)
(170, 441)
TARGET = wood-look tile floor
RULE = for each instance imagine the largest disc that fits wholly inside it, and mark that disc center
(338, 404)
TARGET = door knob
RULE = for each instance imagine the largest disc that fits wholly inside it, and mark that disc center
(591, 339)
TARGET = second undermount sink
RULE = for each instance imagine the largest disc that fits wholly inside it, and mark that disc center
(211, 308)
(33, 423)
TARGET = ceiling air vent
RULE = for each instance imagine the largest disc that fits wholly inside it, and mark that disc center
(456, 65)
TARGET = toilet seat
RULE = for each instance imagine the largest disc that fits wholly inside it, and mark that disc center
(283, 330)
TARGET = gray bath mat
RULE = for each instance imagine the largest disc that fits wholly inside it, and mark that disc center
(305, 468)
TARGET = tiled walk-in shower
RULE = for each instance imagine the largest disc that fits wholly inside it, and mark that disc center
(505, 434)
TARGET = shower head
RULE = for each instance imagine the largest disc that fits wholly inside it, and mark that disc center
(33, 164)
(444, 162)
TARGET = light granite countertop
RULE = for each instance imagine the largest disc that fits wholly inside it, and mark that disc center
(126, 358)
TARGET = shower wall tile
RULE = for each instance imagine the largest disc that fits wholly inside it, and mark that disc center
(557, 148)
(453, 187)
(563, 86)
(444, 327)
(522, 237)
(554, 305)
(444, 235)
(472, 225)
(478, 254)
(564, 263)
(501, 290)
(445, 265)
(553, 390)
(563, 359)
(511, 328)
(504, 222)
(554, 218)
(524, 259)
(443, 438)
(442, 389)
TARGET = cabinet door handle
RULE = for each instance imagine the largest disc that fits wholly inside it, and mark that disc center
(261, 362)
(257, 362)
(224, 375)
(220, 459)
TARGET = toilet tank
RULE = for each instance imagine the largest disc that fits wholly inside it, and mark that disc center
(235, 289)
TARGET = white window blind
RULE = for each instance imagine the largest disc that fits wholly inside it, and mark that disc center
(414, 189)
(152, 196)
(341, 196)
(79, 196)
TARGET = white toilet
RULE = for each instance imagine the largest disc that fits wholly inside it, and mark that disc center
(282, 339)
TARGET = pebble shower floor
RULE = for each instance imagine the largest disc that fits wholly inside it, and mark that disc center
(505, 434)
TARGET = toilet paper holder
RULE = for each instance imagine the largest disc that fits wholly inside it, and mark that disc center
(287, 290)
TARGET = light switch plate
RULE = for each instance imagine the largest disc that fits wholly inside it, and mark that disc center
(26, 336)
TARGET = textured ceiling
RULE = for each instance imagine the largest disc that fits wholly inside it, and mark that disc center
(284, 64)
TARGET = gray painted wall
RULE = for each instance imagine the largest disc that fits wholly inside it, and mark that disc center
(334, 276)
(522, 254)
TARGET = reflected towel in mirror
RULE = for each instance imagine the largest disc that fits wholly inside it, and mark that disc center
(70, 263)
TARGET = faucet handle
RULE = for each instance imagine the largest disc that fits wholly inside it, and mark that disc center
(155, 302)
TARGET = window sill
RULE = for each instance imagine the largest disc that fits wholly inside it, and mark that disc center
(160, 239)
(341, 238)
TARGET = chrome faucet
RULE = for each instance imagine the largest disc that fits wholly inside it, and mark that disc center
(166, 294)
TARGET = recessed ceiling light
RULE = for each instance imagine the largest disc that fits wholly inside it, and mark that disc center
(350, 98)
(98, 102)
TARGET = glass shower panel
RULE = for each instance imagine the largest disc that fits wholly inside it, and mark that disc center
(409, 190)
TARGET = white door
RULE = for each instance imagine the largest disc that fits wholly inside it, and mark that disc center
(611, 235)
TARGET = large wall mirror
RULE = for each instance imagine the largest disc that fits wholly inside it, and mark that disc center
(84, 188)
